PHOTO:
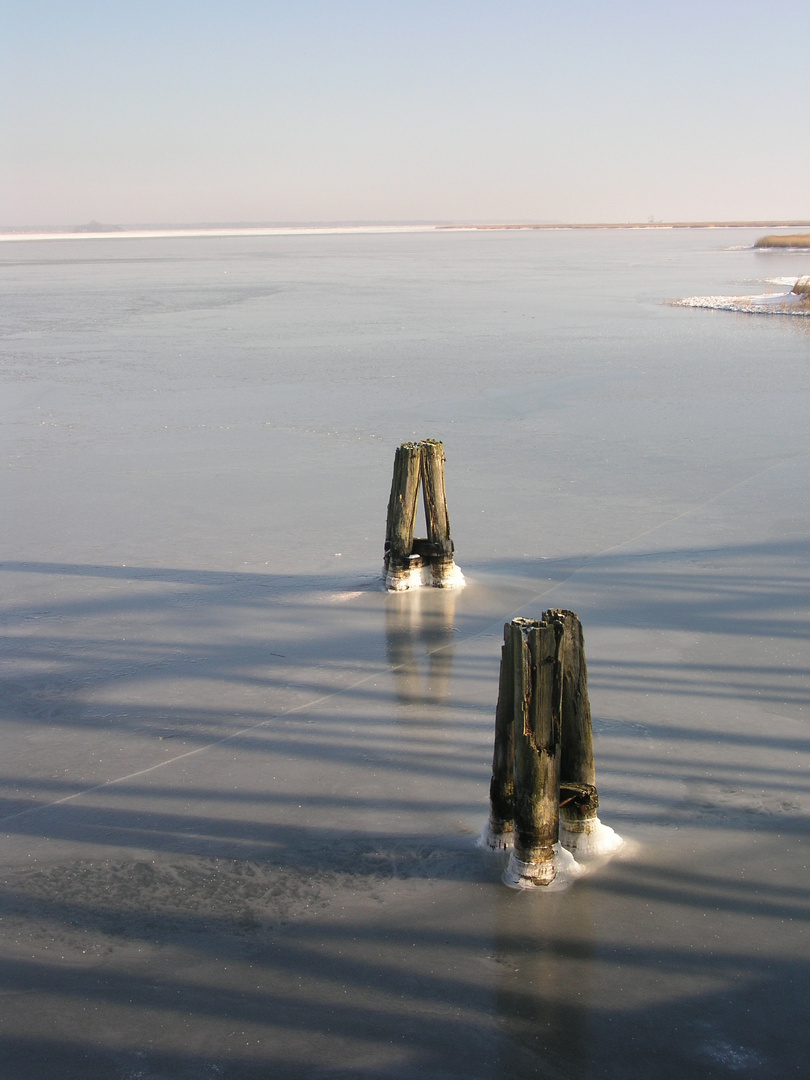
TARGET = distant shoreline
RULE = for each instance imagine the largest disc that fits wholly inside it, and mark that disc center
(149, 232)
(648, 225)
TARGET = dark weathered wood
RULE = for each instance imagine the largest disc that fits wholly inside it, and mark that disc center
(402, 506)
(584, 795)
(436, 516)
(576, 743)
(537, 650)
(432, 463)
(405, 556)
(502, 785)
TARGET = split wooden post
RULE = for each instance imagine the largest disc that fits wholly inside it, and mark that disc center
(500, 832)
(402, 512)
(406, 559)
(578, 795)
(547, 809)
(537, 649)
(436, 516)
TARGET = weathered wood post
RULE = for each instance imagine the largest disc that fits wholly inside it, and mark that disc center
(537, 660)
(542, 796)
(444, 573)
(576, 749)
(581, 831)
(406, 559)
(402, 516)
(500, 830)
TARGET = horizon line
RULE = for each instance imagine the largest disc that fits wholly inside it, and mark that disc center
(96, 230)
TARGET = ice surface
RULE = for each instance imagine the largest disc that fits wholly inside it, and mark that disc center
(242, 783)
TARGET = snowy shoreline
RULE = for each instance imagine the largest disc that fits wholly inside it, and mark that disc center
(794, 302)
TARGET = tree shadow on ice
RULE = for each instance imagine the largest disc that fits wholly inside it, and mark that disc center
(306, 951)
(756, 589)
(251, 658)
(699, 679)
(513, 989)
(309, 726)
(259, 645)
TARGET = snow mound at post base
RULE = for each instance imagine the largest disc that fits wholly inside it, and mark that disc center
(590, 839)
(553, 876)
(420, 575)
(495, 839)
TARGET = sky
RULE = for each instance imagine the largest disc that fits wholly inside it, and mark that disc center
(257, 111)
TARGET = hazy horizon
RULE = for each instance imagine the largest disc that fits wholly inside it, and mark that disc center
(372, 112)
(96, 228)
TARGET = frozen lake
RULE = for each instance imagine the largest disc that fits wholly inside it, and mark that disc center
(241, 784)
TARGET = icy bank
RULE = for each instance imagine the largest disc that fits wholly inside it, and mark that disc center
(795, 302)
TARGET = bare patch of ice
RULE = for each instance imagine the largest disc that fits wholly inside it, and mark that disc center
(732, 1057)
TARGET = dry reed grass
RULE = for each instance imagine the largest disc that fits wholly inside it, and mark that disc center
(796, 240)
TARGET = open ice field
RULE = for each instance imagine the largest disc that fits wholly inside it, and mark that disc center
(241, 784)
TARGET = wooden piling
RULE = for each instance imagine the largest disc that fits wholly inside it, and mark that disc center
(577, 768)
(552, 797)
(537, 665)
(407, 558)
(500, 831)
(436, 516)
(402, 513)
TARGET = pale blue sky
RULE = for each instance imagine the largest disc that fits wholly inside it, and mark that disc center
(140, 111)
